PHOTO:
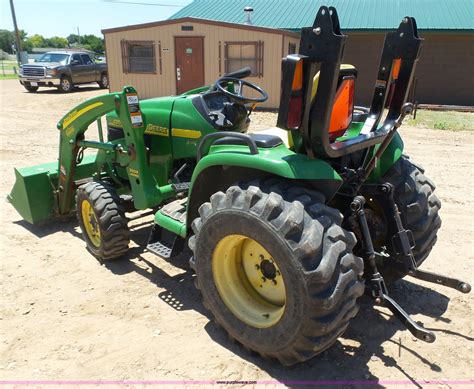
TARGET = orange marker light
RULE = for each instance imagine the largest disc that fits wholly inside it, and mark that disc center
(396, 68)
(342, 109)
(298, 77)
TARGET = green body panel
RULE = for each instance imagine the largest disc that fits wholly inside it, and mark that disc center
(171, 224)
(390, 156)
(188, 127)
(34, 192)
(277, 160)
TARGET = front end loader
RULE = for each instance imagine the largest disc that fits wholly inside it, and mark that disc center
(289, 226)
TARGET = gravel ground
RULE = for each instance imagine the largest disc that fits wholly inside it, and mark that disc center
(66, 317)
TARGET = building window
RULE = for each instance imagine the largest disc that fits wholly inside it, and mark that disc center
(242, 54)
(291, 48)
(138, 56)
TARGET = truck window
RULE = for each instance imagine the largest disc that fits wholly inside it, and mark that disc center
(76, 57)
(86, 59)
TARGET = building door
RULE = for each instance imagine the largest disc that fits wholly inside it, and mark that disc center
(189, 52)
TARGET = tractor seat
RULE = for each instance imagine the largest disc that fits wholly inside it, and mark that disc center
(265, 141)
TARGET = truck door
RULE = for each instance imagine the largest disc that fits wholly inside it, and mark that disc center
(78, 69)
(90, 72)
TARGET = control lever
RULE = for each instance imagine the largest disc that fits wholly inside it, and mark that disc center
(379, 289)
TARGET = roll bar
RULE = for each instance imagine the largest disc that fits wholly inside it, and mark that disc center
(321, 49)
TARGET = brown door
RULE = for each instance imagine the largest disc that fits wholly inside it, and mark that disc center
(189, 63)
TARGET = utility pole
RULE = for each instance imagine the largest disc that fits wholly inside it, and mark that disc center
(78, 37)
(17, 33)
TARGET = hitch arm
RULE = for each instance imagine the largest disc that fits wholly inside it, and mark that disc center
(417, 330)
(454, 283)
(377, 284)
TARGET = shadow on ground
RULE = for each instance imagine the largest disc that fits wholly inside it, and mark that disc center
(370, 329)
(55, 91)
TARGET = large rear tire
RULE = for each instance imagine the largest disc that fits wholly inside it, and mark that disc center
(419, 206)
(276, 269)
(101, 217)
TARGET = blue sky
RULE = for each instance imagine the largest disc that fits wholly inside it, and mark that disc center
(62, 17)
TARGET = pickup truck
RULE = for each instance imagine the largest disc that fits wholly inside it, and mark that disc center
(63, 70)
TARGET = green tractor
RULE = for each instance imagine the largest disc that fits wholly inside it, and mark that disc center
(289, 226)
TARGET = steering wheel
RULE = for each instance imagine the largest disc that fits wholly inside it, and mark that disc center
(239, 98)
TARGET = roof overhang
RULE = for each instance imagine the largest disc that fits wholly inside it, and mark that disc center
(202, 21)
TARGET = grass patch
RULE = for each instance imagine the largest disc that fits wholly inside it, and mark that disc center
(8, 76)
(443, 120)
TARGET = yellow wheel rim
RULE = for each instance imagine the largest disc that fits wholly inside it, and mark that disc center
(90, 222)
(249, 281)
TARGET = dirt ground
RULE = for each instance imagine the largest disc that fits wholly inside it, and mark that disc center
(66, 317)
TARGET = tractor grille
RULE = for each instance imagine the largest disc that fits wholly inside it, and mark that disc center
(33, 71)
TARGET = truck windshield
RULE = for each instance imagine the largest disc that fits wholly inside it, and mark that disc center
(54, 57)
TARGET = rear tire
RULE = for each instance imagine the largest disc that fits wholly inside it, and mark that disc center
(102, 220)
(30, 88)
(65, 84)
(419, 206)
(312, 279)
(104, 81)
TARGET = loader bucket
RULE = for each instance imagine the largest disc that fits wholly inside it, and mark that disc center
(33, 194)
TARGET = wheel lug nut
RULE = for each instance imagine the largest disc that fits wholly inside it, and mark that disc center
(274, 282)
(264, 279)
(261, 257)
(257, 267)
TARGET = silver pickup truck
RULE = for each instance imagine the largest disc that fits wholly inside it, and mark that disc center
(63, 70)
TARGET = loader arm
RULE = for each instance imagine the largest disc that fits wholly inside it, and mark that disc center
(132, 154)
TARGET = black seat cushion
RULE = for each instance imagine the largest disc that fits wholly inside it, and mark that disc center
(265, 141)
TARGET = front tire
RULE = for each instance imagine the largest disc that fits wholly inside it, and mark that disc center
(419, 206)
(276, 269)
(102, 220)
(31, 89)
(65, 84)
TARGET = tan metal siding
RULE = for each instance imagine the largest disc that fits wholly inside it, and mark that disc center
(286, 41)
(443, 73)
(152, 85)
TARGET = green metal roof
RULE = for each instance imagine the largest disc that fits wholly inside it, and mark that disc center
(353, 14)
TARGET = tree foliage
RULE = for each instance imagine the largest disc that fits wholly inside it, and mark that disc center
(89, 42)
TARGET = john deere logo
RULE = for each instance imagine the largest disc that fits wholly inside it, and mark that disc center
(156, 130)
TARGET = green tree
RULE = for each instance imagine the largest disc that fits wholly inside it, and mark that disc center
(73, 38)
(36, 40)
(92, 42)
(56, 42)
(7, 39)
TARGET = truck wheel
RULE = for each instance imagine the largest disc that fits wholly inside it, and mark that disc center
(30, 88)
(104, 81)
(419, 206)
(66, 85)
(102, 220)
(276, 269)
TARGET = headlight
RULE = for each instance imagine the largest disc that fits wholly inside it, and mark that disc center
(51, 72)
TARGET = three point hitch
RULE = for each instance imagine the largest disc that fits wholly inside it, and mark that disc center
(403, 244)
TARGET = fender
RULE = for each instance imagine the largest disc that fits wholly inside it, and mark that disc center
(390, 156)
(227, 164)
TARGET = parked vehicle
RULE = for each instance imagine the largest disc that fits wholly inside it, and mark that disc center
(63, 70)
(289, 226)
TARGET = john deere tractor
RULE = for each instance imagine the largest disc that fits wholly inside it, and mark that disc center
(289, 226)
